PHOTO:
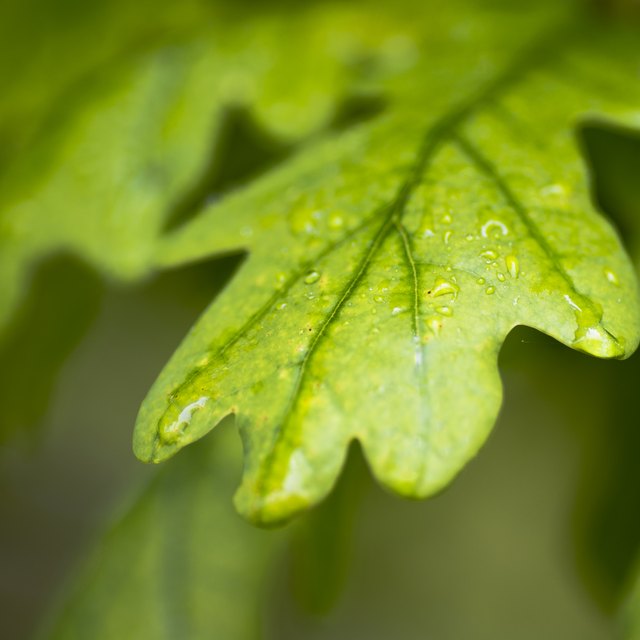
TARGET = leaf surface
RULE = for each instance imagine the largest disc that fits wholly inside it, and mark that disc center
(387, 264)
(132, 131)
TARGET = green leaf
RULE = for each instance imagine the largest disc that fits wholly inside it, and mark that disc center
(121, 149)
(74, 39)
(68, 295)
(78, 168)
(387, 264)
(180, 563)
(630, 616)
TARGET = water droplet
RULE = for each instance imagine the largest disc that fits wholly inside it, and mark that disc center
(500, 277)
(397, 310)
(611, 276)
(490, 290)
(443, 287)
(553, 190)
(445, 311)
(572, 304)
(305, 220)
(493, 228)
(383, 285)
(204, 361)
(378, 298)
(446, 219)
(513, 267)
(447, 236)
(170, 433)
(283, 306)
(469, 237)
(336, 221)
(592, 337)
(312, 277)
(489, 255)
(435, 324)
(480, 280)
(299, 472)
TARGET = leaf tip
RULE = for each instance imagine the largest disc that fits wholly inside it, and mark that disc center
(595, 340)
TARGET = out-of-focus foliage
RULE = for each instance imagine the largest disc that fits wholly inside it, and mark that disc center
(609, 522)
(631, 613)
(429, 175)
(62, 302)
(122, 147)
(180, 564)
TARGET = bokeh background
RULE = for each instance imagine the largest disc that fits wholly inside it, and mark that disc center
(536, 539)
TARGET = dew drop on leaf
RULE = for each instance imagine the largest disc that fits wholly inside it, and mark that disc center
(435, 324)
(304, 220)
(493, 229)
(573, 304)
(443, 287)
(513, 267)
(611, 276)
(336, 221)
(312, 277)
(169, 433)
(592, 337)
(489, 255)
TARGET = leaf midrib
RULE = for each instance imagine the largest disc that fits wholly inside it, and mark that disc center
(436, 135)
(444, 130)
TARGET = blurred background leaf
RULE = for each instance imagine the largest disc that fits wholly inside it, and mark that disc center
(180, 564)
(63, 300)
(630, 618)
(608, 515)
(47, 47)
(56, 489)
